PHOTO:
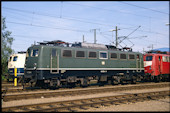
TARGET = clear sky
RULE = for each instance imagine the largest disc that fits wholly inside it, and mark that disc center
(68, 21)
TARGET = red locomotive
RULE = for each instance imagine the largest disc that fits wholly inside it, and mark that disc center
(157, 66)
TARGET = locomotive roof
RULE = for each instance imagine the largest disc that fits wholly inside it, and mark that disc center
(21, 52)
(157, 54)
(82, 45)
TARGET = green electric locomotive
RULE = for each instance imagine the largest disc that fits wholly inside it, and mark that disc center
(56, 63)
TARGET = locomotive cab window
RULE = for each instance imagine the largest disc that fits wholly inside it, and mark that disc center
(92, 54)
(80, 54)
(113, 55)
(123, 56)
(67, 53)
(10, 58)
(15, 58)
(149, 58)
(35, 53)
(103, 55)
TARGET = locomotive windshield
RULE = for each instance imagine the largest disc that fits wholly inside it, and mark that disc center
(35, 52)
(149, 58)
(15, 58)
(28, 53)
(10, 58)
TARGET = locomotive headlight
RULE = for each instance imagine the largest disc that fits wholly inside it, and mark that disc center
(35, 64)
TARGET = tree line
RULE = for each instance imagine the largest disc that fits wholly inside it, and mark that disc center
(6, 50)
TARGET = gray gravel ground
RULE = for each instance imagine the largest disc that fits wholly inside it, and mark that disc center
(154, 105)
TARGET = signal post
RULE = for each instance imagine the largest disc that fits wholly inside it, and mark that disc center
(15, 75)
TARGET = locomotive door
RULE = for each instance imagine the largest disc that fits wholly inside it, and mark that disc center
(138, 63)
(159, 64)
(54, 61)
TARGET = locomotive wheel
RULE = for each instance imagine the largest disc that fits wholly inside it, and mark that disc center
(115, 82)
(110, 82)
(133, 80)
(157, 79)
(84, 82)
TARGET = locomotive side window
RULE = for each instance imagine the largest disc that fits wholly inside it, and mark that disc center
(92, 54)
(164, 59)
(35, 52)
(149, 58)
(131, 56)
(122, 56)
(67, 53)
(103, 55)
(15, 58)
(113, 55)
(80, 54)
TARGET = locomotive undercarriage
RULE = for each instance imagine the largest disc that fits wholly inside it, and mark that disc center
(82, 78)
(161, 77)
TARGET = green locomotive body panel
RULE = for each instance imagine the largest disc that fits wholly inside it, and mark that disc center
(57, 65)
(45, 60)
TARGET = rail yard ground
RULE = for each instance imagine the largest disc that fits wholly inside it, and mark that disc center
(153, 105)
(161, 104)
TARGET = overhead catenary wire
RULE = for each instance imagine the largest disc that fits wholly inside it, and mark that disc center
(54, 16)
(62, 17)
(112, 10)
(106, 9)
(73, 19)
(28, 18)
(47, 26)
(128, 35)
(144, 7)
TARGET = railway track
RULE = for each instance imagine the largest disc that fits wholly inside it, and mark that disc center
(81, 91)
(19, 89)
(11, 85)
(30, 89)
(79, 104)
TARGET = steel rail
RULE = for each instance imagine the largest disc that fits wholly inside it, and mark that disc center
(76, 105)
(79, 92)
